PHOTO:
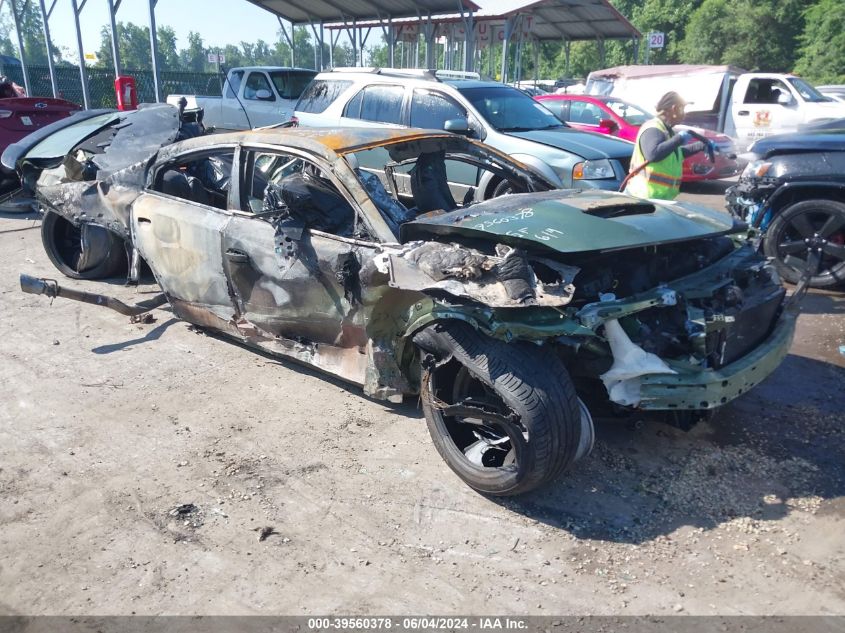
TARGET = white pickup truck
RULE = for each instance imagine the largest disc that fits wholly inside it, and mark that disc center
(252, 97)
(745, 106)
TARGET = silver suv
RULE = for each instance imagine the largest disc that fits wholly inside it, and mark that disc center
(502, 116)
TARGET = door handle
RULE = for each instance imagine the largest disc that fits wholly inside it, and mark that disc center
(237, 257)
(742, 113)
(143, 220)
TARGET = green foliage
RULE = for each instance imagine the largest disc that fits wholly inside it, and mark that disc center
(755, 35)
(822, 53)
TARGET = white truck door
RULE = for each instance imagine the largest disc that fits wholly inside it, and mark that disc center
(261, 100)
(231, 114)
(756, 109)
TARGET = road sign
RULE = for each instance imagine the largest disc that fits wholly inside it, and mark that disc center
(214, 58)
(656, 40)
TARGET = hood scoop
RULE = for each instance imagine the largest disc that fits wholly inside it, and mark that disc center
(619, 210)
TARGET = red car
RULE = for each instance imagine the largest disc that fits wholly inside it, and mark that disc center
(609, 115)
(19, 116)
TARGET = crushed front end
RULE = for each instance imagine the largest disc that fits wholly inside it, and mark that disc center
(718, 328)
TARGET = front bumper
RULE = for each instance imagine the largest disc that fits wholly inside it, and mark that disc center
(711, 388)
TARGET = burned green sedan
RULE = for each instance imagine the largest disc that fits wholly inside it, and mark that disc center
(360, 253)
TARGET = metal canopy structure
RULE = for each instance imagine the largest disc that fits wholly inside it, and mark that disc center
(313, 11)
(476, 25)
(506, 22)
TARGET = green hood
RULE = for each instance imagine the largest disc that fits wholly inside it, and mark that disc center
(569, 221)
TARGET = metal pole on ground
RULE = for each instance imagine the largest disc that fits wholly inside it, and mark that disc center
(83, 73)
(153, 49)
(45, 19)
(22, 53)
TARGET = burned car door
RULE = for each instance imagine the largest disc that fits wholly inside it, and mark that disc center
(291, 254)
(177, 225)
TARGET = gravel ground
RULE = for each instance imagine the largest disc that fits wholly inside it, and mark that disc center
(152, 469)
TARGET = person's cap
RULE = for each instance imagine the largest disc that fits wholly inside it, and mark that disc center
(670, 99)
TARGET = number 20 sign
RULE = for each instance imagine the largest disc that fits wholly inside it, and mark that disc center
(656, 40)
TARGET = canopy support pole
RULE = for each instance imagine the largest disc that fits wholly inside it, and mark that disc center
(115, 49)
(45, 19)
(17, 18)
(83, 72)
(153, 49)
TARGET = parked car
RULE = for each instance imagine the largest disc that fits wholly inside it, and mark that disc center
(502, 116)
(745, 106)
(833, 91)
(20, 116)
(252, 97)
(609, 115)
(491, 313)
(794, 192)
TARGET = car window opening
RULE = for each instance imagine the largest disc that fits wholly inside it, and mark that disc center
(204, 180)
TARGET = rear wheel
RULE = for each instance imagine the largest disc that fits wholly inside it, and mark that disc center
(82, 252)
(811, 223)
(504, 416)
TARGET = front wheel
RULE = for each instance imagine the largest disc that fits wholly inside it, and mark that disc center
(84, 251)
(504, 416)
(811, 223)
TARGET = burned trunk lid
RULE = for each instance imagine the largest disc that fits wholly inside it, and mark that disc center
(569, 221)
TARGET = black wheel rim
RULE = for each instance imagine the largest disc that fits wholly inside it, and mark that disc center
(483, 429)
(824, 230)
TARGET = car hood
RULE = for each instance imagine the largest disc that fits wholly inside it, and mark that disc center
(590, 145)
(572, 221)
(818, 141)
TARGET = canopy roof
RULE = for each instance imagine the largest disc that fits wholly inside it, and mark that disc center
(312, 11)
(571, 20)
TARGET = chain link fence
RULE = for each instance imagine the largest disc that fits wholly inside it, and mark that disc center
(101, 83)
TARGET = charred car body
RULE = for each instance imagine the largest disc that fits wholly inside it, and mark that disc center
(793, 191)
(511, 318)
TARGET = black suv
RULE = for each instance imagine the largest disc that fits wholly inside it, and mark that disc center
(794, 192)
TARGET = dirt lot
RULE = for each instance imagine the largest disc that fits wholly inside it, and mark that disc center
(106, 428)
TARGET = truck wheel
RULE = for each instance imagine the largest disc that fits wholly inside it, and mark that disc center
(786, 235)
(504, 416)
(82, 252)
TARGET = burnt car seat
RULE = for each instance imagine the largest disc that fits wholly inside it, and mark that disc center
(178, 184)
(429, 184)
(312, 201)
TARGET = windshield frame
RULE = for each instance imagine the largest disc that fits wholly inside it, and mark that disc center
(476, 95)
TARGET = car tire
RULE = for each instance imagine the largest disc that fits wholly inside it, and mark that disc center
(502, 188)
(104, 254)
(524, 383)
(784, 240)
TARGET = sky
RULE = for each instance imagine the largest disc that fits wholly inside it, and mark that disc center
(220, 22)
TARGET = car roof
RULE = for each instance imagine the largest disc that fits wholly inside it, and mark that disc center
(393, 77)
(320, 141)
(273, 68)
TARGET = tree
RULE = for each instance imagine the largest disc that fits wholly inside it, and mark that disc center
(755, 35)
(822, 52)
(194, 57)
(32, 33)
(134, 47)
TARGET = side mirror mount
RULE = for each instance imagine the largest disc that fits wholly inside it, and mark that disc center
(263, 95)
(609, 124)
(784, 99)
(458, 126)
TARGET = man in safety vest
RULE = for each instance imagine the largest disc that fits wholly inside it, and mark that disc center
(661, 151)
